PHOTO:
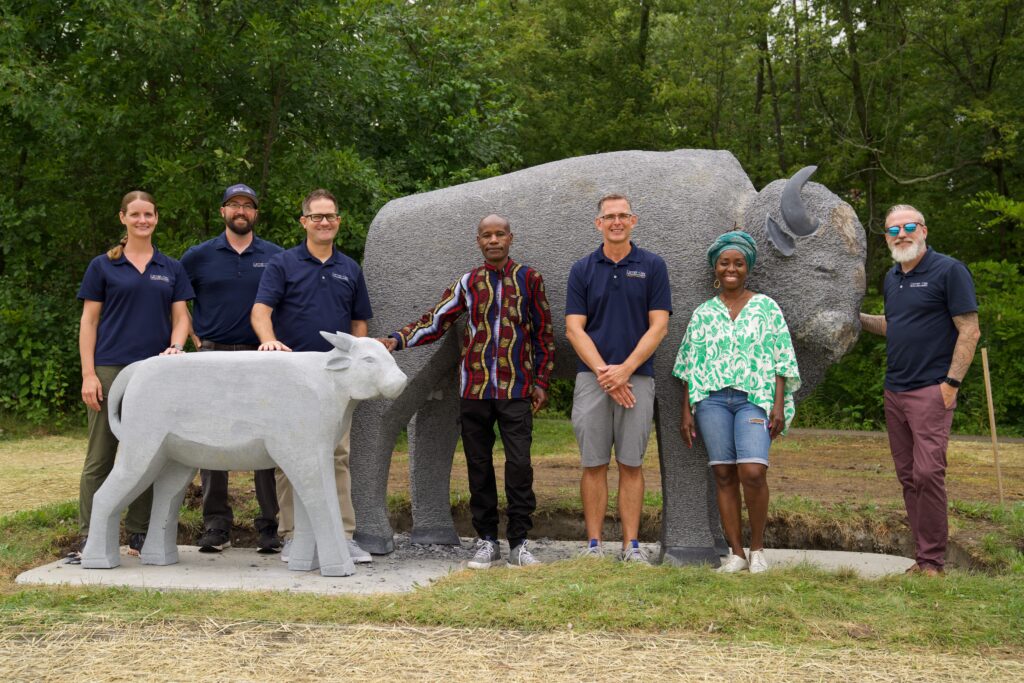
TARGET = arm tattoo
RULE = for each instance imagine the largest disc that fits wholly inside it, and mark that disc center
(875, 324)
(966, 342)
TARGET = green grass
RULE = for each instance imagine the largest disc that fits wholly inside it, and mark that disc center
(792, 606)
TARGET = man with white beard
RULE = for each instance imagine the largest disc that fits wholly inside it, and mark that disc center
(931, 330)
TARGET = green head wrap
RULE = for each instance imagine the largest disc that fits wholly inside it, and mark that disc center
(738, 240)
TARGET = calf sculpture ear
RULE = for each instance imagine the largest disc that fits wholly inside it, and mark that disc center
(338, 360)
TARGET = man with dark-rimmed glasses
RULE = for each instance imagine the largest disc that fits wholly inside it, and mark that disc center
(225, 273)
(931, 330)
(309, 288)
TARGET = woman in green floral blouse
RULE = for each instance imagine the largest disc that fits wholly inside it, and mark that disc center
(739, 373)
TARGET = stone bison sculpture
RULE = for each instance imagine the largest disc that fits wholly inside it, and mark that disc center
(247, 410)
(811, 261)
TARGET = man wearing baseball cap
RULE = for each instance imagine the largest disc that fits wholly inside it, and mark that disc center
(225, 273)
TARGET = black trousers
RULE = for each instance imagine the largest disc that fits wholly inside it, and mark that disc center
(217, 513)
(515, 423)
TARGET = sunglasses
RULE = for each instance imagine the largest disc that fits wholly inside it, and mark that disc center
(908, 228)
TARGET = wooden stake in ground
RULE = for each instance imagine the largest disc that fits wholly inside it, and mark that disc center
(992, 422)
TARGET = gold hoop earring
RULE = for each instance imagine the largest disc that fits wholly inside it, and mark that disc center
(717, 283)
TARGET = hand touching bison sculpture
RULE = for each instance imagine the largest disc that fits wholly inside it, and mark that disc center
(247, 410)
(416, 246)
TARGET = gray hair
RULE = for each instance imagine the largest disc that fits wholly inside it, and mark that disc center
(904, 207)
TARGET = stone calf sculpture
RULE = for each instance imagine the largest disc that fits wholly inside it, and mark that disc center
(247, 410)
(417, 245)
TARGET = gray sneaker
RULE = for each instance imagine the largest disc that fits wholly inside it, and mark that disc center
(486, 555)
(595, 552)
(634, 553)
(520, 556)
(358, 555)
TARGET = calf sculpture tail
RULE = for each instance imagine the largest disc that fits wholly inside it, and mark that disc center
(114, 397)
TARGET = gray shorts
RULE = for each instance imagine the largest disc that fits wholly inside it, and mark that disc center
(600, 422)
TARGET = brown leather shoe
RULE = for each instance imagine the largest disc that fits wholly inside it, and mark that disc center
(929, 570)
(913, 569)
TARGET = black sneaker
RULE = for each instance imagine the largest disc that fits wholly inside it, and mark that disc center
(135, 543)
(213, 541)
(268, 543)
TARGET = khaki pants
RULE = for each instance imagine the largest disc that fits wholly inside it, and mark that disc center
(99, 460)
(342, 481)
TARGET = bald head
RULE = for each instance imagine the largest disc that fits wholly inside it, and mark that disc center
(494, 220)
(494, 237)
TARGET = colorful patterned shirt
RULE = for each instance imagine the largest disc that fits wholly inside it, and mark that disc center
(746, 354)
(509, 343)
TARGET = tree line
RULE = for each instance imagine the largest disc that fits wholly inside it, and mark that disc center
(909, 101)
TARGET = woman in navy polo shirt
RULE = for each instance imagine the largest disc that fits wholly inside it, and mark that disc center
(133, 307)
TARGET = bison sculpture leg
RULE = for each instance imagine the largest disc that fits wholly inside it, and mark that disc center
(433, 435)
(689, 522)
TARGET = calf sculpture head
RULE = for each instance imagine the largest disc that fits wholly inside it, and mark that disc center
(370, 369)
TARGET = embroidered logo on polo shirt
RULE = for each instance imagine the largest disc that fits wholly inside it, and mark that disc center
(161, 278)
(259, 264)
(637, 274)
(918, 284)
(339, 276)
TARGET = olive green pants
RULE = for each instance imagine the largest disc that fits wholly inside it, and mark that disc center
(99, 460)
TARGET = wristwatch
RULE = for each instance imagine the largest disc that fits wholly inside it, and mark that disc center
(181, 347)
(955, 383)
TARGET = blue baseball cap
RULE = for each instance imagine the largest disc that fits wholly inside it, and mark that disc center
(241, 189)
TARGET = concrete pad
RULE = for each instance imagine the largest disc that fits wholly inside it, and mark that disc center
(408, 567)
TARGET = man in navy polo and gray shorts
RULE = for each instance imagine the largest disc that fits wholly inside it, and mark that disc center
(225, 273)
(931, 330)
(616, 314)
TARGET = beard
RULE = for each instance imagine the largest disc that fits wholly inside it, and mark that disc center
(240, 225)
(907, 253)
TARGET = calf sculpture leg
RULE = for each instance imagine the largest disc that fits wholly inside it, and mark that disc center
(316, 508)
(161, 546)
(134, 470)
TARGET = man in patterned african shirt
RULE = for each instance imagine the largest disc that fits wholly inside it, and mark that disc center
(507, 357)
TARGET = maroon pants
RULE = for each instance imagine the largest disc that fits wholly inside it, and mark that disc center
(918, 424)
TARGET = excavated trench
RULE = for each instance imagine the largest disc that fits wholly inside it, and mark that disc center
(888, 535)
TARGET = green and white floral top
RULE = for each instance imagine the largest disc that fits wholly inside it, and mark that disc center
(746, 354)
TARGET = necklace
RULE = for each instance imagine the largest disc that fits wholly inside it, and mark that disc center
(735, 307)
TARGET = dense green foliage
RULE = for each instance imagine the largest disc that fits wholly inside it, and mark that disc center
(913, 101)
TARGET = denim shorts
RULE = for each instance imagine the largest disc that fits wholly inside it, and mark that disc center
(734, 429)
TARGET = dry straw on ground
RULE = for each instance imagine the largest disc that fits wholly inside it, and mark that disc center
(221, 651)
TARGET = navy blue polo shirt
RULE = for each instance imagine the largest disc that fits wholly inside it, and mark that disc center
(616, 298)
(308, 296)
(225, 284)
(135, 321)
(919, 309)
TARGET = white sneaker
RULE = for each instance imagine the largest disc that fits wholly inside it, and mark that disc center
(733, 564)
(286, 550)
(358, 555)
(758, 562)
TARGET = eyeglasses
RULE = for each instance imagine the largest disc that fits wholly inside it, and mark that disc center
(612, 217)
(321, 217)
(909, 228)
(235, 206)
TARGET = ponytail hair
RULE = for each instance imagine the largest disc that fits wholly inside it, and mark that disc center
(117, 250)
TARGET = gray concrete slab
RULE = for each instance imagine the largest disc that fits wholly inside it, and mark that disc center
(409, 566)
